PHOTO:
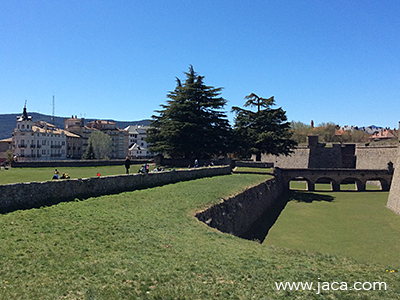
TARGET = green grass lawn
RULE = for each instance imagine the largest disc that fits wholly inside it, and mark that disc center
(16, 175)
(147, 244)
(355, 224)
(255, 170)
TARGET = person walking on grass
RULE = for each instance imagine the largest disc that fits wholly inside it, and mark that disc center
(127, 164)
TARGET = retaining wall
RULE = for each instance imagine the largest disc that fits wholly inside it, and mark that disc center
(394, 194)
(237, 214)
(37, 194)
(253, 164)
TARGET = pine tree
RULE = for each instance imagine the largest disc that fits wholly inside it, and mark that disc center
(265, 131)
(89, 154)
(192, 123)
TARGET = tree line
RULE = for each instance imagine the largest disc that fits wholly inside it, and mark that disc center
(327, 133)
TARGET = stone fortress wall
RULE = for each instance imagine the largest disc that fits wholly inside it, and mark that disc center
(394, 194)
(376, 157)
(316, 155)
(37, 194)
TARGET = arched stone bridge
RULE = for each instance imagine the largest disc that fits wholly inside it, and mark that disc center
(335, 177)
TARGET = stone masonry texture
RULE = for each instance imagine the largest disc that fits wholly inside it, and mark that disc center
(37, 194)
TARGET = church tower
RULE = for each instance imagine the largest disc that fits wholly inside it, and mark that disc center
(24, 122)
(23, 134)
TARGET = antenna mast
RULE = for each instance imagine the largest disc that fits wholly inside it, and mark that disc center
(52, 118)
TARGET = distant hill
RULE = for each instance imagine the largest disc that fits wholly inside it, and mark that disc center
(9, 121)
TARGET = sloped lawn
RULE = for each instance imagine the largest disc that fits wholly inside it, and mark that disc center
(147, 244)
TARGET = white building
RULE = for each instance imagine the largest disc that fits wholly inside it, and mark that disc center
(137, 143)
(39, 141)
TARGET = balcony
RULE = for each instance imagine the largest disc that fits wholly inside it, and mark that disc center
(32, 146)
(21, 146)
(55, 146)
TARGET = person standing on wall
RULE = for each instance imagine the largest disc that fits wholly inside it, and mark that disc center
(127, 164)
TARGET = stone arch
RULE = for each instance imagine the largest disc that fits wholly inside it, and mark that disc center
(309, 183)
(335, 186)
(384, 184)
(359, 185)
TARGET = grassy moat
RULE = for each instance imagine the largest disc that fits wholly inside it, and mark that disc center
(147, 244)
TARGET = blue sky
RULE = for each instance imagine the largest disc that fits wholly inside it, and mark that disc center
(323, 60)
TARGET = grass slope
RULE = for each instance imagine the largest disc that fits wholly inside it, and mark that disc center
(147, 244)
(17, 175)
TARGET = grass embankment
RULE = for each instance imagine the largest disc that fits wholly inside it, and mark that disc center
(147, 244)
(17, 175)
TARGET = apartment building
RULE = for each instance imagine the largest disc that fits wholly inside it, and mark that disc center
(119, 137)
(78, 127)
(40, 140)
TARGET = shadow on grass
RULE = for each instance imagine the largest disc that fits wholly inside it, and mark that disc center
(260, 228)
(308, 197)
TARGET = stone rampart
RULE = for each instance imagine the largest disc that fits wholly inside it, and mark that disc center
(332, 157)
(297, 159)
(394, 194)
(237, 214)
(375, 157)
(37, 194)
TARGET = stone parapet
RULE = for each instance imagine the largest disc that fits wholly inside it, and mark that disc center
(37, 194)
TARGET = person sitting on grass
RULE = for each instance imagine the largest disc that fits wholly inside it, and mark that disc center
(65, 176)
(56, 174)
